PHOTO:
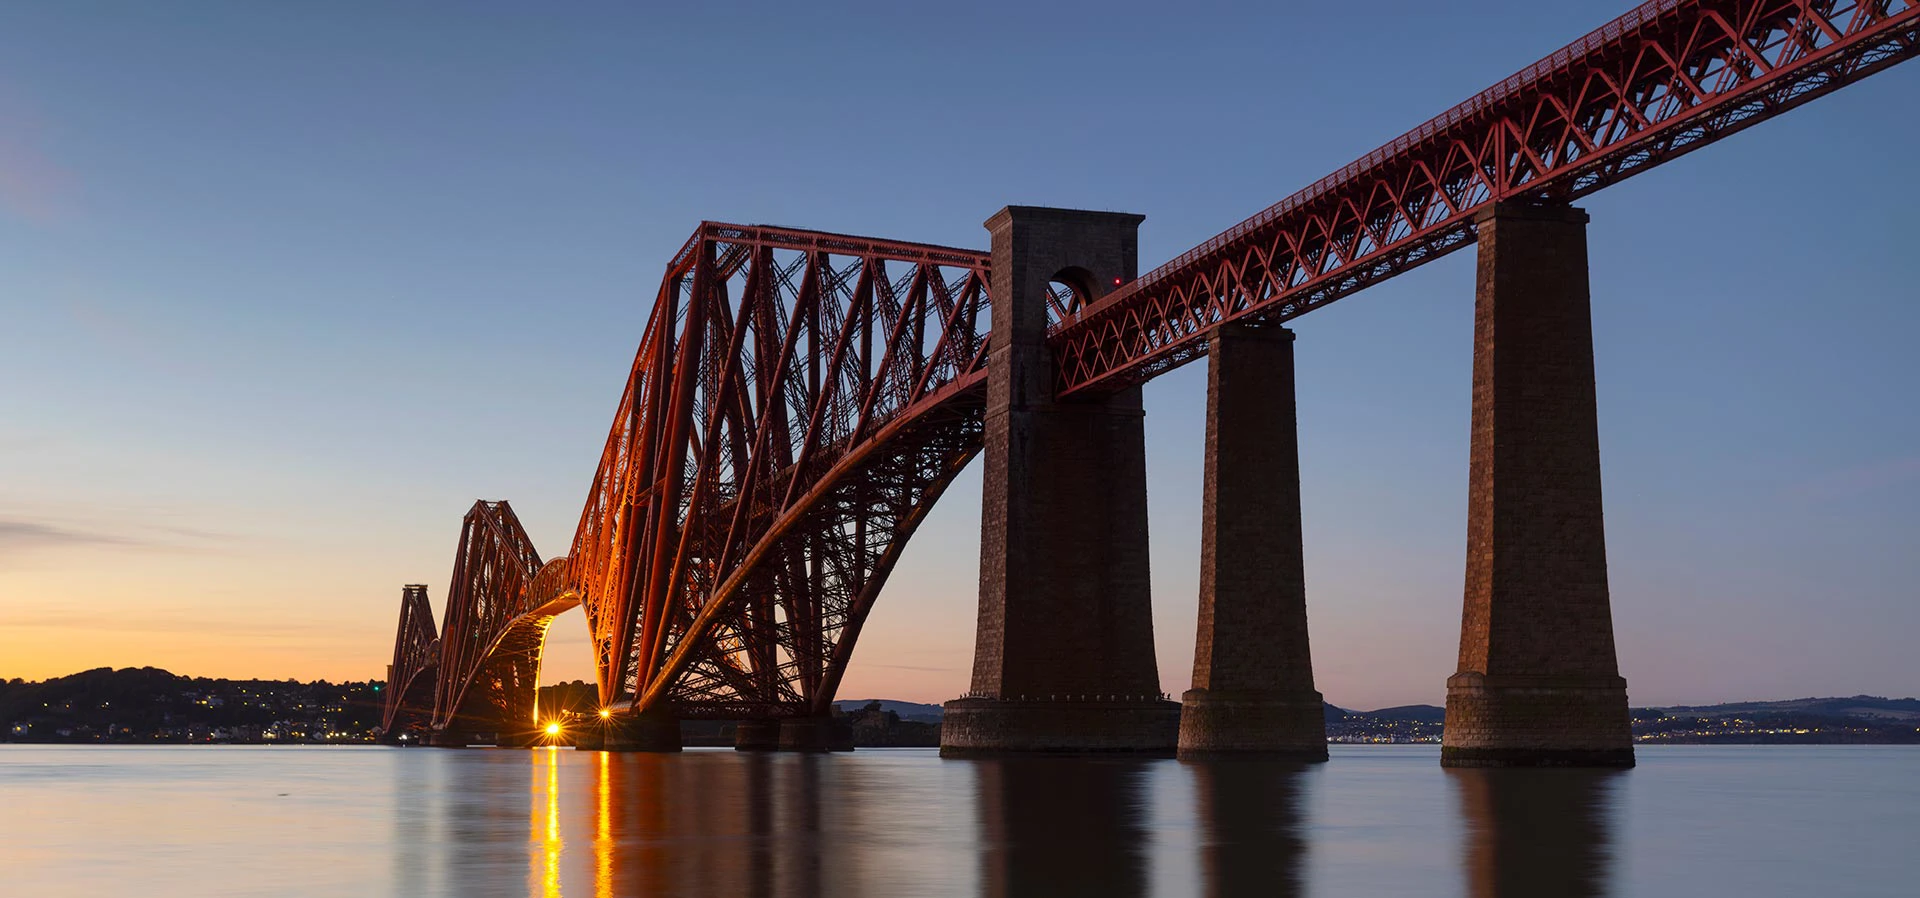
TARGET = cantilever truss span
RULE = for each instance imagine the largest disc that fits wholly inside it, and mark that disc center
(416, 662)
(499, 607)
(797, 404)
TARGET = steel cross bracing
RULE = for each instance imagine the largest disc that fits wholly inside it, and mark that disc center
(797, 403)
(416, 659)
(1667, 78)
(498, 609)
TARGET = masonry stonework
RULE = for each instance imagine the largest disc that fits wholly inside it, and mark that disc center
(1538, 683)
(646, 731)
(1063, 654)
(756, 735)
(1252, 669)
(815, 734)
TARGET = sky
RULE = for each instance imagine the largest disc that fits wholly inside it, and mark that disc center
(284, 289)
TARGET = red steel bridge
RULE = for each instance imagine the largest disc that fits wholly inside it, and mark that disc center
(800, 400)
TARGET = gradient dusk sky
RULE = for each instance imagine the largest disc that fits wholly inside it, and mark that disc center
(284, 288)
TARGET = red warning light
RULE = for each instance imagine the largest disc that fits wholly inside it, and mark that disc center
(1116, 282)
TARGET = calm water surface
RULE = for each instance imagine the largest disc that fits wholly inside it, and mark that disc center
(1376, 820)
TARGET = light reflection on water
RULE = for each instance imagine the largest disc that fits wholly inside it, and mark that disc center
(1374, 821)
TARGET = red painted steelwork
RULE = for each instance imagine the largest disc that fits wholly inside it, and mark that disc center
(797, 403)
(498, 610)
(1665, 79)
(416, 658)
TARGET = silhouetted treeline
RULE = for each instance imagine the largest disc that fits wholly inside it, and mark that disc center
(146, 704)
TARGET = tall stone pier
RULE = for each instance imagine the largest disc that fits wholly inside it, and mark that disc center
(1063, 657)
(1538, 683)
(1252, 689)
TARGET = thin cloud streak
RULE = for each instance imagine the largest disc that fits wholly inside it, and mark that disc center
(21, 535)
(17, 535)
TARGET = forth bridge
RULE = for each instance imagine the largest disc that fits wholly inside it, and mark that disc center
(800, 400)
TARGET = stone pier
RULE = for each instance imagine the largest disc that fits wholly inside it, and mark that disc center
(1252, 689)
(1063, 656)
(816, 734)
(1538, 683)
(756, 735)
(645, 731)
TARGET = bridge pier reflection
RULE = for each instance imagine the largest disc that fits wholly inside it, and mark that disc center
(702, 824)
(807, 825)
(1056, 826)
(1250, 825)
(1536, 832)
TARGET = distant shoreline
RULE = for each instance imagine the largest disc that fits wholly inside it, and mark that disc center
(149, 706)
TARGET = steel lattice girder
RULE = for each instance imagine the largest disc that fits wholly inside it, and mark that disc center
(416, 655)
(797, 403)
(1667, 78)
(498, 609)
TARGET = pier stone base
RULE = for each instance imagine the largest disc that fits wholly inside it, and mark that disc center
(1252, 689)
(1089, 725)
(756, 735)
(1063, 656)
(815, 734)
(1538, 683)
(646, 731)
(591, 736)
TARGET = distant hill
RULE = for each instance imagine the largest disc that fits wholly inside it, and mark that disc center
(906, 710)
(1403, 724)
(1859, 719)
(1863, 707)
(1416, 713)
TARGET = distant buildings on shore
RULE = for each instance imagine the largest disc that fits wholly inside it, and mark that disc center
(149, 706)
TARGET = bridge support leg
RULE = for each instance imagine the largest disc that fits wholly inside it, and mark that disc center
(1063, 656)
(1538, 684)
(1252, 689)
(815, 734)
(756, 735)
(645, 731)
